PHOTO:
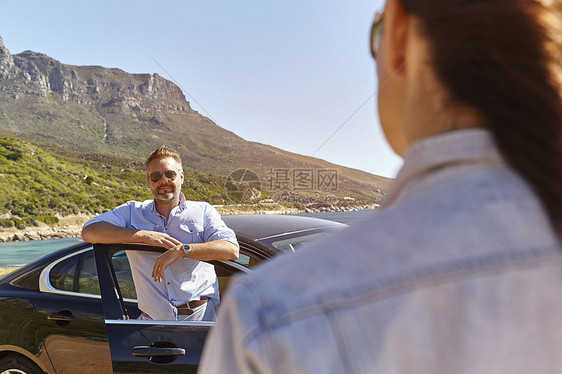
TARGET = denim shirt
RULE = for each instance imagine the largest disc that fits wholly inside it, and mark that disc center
(185, 279)
(459, 272)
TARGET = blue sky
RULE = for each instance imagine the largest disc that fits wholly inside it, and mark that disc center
(286, 73)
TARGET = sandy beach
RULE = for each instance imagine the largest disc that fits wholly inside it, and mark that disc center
(4, 271)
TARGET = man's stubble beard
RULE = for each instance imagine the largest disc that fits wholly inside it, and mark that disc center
(168, 201)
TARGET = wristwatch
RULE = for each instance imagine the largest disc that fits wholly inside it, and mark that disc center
(186, 249)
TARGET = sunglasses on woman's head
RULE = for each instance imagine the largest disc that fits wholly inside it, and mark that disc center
(376, 33)
(155, 176)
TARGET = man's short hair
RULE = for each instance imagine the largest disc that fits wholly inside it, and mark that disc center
(162, 152)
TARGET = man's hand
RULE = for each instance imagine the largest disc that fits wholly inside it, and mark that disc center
(165, 260)
(220, 250)
(156, 238)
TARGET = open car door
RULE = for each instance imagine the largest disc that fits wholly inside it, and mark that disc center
(140, 346)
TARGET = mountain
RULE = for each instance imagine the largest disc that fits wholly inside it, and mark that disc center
(99, 110)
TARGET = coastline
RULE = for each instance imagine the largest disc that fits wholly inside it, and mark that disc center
(71, 226)
(67, 227)
(7, 270)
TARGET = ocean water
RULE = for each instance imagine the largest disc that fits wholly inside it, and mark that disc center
(15, 254)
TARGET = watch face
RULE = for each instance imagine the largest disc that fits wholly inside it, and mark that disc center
(186, 249)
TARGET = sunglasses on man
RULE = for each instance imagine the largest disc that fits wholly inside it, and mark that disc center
(155, 176)
(376, 33)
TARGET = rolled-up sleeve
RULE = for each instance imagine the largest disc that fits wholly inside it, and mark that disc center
(119, 216)
(215, 228)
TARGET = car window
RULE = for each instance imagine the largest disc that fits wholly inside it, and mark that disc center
(295, 242)
(123, 273)
(62, 274)
(76, 274)
(246, 260)
(88, 274)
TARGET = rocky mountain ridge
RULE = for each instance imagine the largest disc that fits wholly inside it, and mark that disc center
(109, 111)
(81, 84)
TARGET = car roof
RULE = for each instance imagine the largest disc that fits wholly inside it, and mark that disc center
(262, 226)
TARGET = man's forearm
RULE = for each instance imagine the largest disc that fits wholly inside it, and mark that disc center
(221, 250)
(104, 232)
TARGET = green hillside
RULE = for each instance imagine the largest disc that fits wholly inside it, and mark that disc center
(44, 180)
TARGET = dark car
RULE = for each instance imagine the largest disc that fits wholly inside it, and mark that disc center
(75, 310)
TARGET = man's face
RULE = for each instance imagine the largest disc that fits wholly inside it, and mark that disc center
(165, 190)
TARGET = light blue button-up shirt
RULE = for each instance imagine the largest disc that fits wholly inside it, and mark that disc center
(460, 272)
(185, 279)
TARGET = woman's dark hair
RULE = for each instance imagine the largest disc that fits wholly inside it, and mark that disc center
(499, 57)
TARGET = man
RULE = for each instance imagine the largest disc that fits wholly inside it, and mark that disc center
(175, 285)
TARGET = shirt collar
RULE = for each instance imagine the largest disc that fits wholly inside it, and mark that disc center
(455, 148)
(183, 202)
(181, 206)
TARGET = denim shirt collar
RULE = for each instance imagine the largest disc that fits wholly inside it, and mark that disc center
(429, 155)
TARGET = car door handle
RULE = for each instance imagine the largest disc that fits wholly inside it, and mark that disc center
(61, 317)
(144, 351)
